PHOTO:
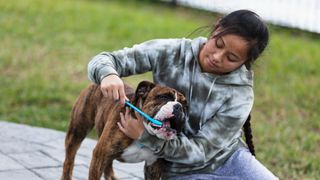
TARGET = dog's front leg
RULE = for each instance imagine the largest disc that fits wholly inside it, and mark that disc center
(102, 158)
(154, 171)
(110, 145)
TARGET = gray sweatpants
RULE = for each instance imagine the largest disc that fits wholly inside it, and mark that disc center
(241, 165)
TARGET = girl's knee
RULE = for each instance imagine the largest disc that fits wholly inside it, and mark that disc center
(244, 165)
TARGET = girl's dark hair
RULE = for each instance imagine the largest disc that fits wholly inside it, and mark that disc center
(248, 135)
(247, 25)
(250, 27)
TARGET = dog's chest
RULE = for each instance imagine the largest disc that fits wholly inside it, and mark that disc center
(136, 153)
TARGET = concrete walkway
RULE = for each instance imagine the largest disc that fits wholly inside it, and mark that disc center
(32, 153)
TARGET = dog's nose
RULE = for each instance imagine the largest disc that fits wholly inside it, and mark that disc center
(179, 117)
(177, 107)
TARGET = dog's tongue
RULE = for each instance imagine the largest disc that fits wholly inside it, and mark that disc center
(166, 124)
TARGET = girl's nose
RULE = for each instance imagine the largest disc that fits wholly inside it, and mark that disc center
(218, 56)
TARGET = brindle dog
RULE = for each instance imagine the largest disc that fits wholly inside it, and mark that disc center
(93, 109)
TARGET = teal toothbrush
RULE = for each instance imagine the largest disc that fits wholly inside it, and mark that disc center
(154, 121)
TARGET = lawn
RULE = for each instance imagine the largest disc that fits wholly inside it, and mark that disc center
(46, 45)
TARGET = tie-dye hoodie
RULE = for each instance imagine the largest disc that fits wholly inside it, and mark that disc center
(218, 104)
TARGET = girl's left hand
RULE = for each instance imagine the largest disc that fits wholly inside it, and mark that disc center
(130, 126)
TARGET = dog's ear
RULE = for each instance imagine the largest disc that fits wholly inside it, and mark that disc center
(143, 89)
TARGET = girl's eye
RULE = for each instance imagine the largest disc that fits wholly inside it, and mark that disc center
(231, 59)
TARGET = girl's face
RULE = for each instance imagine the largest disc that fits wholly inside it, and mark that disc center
(223, 54)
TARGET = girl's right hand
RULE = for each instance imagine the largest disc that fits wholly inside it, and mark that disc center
(112, 87)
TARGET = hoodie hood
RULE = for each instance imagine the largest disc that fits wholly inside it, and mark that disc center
(241, 76)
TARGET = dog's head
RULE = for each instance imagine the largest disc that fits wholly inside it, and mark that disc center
(164, 104)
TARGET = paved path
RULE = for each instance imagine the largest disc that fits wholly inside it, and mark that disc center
(32, 153)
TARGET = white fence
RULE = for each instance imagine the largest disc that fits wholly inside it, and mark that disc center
(301, 14)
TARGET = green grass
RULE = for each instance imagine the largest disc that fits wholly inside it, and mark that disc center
(46, 45)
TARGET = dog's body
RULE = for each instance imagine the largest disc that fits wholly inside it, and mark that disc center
(93, 109)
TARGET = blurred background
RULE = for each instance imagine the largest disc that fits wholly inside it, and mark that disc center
(45, 47)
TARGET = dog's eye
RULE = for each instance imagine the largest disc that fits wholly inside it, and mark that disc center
(164, 97)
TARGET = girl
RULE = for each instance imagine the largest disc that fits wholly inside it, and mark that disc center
(215, 75)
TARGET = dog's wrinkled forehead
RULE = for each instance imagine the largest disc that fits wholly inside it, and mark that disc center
(154, 93)
(166, 94)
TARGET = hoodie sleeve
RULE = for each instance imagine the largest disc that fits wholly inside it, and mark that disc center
(128, 61)
(215, 135)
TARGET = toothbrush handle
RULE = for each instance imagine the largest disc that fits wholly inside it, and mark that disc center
(159, 123)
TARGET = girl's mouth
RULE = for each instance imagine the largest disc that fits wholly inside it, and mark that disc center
(211, 63)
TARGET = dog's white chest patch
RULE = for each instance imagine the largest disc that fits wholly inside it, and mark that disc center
(135, 153)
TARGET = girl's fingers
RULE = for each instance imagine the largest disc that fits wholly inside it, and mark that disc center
(121, 127)
(120, 124)
(127, 112)
(115, 95)
(123, 120)
(122, 96)
(105, 93)
(139, 117)
(109, 93)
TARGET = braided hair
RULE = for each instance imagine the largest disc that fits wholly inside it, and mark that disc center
(248, 135)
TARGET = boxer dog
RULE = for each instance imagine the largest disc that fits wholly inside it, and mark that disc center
(93, 109)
